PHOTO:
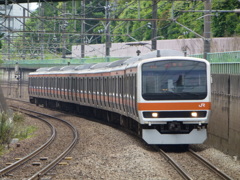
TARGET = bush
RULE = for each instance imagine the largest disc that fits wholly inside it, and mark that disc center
(10, 127)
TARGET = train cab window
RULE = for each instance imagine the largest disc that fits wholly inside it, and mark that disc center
(174, 80)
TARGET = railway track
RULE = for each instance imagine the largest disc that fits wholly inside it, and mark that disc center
(178, 161)
(187, 172)
(43, 149)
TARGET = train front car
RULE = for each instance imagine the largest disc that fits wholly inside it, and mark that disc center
(174, 100)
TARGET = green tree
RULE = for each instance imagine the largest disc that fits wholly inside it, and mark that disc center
(226, 24)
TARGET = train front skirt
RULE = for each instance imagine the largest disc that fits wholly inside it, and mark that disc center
(152, 136)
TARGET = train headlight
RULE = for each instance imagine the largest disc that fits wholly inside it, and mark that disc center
(194, 114)
(154, 114)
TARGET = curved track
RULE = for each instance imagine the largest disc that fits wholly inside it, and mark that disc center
(55, 161)
(34, 153)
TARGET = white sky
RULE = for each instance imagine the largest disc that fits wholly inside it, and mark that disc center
(33, 6)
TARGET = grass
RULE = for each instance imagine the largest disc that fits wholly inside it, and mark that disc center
(12, 126)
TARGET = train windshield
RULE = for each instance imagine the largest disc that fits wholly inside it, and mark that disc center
(174, 80)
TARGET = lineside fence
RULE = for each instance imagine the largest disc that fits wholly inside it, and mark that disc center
(34, 64)
(221, 63)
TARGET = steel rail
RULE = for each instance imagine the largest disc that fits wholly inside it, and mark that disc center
(176, 166)
(209, 165)
(13, 166)
(61, 156)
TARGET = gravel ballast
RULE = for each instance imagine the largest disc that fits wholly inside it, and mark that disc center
(104, 152)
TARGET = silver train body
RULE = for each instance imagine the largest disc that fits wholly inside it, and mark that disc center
(164, 96)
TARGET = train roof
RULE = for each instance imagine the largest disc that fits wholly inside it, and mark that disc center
(67, 68)
(131, 62)
(83, 66)
(100, 65)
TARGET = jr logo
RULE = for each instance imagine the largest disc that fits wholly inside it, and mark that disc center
(201, 105)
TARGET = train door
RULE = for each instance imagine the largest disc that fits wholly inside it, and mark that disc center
(89, 90)
(64, 88)
(94, 90)
(97, 90)
(51, 86)
(46, 86)
(130, 85)
(101, 91)
(135, 95)
(105, 91)
(73, 90)
(120, 93)
(127, 94)
(77, 89)
(113, 92)
(57, 87)
(116, 93)
(85, 89)
(81, 89)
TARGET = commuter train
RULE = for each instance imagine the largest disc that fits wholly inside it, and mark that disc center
(163, 96)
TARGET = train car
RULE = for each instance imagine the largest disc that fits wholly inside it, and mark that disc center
(163, 96)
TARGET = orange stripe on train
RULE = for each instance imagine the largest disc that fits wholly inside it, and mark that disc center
(174, 106)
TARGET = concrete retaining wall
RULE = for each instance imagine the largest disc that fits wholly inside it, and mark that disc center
(192, 46)
(224, 126)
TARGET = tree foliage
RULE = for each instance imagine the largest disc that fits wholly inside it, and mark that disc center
(223, 24)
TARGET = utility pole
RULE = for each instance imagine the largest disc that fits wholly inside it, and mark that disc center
(107, 30)
(207, 28)
(83, 29)
(64, 26)
(154, 25)
(24, 53)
